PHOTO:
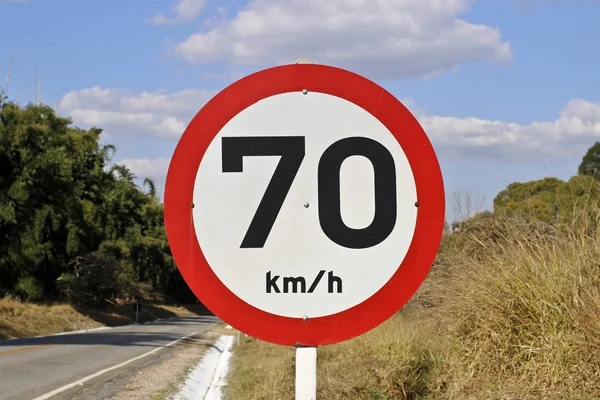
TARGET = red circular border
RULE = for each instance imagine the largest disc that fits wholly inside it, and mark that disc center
(180, 187)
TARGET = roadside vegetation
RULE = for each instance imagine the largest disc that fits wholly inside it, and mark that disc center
(76, 230)
(510, 310)
(23, 319)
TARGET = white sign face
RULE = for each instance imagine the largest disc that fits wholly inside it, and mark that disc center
(304, 205)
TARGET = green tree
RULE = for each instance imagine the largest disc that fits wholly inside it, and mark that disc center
(96, 279)
(61, 202)
(550, 199)
(590, 164)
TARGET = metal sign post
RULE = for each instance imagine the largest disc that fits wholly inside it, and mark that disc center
(306, 373)
(283, 187)
(137, 308)
(306, 357)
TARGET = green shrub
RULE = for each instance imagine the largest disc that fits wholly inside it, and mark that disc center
(29, 288)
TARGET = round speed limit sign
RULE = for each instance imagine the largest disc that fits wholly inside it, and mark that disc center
(304, 205)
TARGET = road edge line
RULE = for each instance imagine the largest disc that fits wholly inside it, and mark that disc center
(101, 372)
(199, 380)
(222, 370)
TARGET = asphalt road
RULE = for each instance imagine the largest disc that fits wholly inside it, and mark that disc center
(54, 366)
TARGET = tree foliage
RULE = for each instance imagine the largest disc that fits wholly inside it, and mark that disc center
(590, 164)
(66, 213)
(549, 200)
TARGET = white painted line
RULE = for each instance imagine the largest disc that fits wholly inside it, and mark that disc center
(74, 332)
(90, 330)
(199, 380)
(60, 333)
(215, 391)
(97, 374)
(208, 377)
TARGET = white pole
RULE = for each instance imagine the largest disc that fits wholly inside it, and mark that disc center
(306, 373)
(306, 357)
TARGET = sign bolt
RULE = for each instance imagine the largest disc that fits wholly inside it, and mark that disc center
(305, 318)
(192, 205)
(306, 205)
(304, 91)
(417, 204)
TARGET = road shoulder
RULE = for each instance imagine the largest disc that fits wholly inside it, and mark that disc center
(162, 378)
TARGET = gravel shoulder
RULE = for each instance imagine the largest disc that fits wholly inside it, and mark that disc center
(161, 378)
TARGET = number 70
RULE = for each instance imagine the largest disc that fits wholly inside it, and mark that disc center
(292, 151)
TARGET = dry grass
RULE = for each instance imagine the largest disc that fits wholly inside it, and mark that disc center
(525, 315)
(511, 310)
(390, 362)
(22, 319)
(19, 320)
(260, 371)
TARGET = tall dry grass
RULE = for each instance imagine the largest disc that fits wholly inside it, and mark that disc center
(510, 310)
(391, 362)
(522, 304)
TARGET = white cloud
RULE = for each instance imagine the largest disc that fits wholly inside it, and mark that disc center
(155, 168)
(123, 112)
(378, 38)
(227, 75)
(164, 115)
(160, 19)
(185, 10)
(577, 128)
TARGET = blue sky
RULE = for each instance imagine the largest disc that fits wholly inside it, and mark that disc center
(507, 90)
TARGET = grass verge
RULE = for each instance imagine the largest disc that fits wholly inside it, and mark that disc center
(390, 362)
(511, 310)
(18, 320)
